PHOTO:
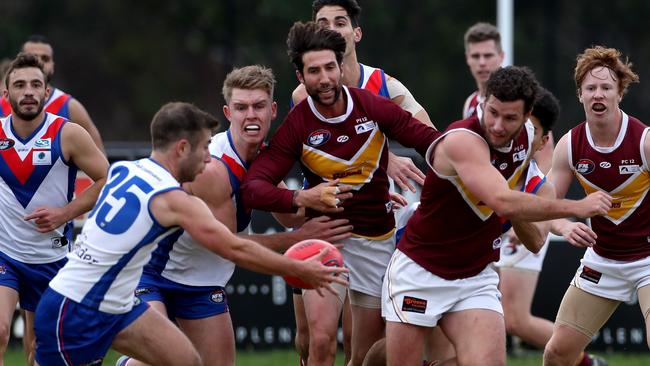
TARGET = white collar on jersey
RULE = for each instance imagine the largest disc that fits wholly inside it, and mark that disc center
(337, 119)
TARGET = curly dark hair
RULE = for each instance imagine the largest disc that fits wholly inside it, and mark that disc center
(309, 36)
(22, 61)
(546, 109)
(512, 83)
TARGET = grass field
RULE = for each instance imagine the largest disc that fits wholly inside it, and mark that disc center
(288, 358)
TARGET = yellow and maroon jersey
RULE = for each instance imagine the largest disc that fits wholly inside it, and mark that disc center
(621, 171)
(352, 147)
(453, 234)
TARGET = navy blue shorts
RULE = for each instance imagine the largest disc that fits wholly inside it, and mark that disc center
(71, 334)
(182, 301)
(29, 280)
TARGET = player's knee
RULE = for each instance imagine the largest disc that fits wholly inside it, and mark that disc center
(552, 354)
(322, 343)
(5, 330)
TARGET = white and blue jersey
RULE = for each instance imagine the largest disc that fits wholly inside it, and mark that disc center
(33, 173)
(188, 262)
(117, 239)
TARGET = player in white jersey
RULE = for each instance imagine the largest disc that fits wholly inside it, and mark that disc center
(186, 280)
(39, 157)
(142, 206)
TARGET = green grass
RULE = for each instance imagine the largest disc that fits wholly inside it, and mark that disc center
(15, 357)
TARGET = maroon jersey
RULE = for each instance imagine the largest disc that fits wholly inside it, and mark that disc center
(471, 104)
(622, 172)
(352, 147)
(453, 234)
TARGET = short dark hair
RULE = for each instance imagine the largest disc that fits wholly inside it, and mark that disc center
(38, 38)
(178, 120)
(512, 83)
(351, 7)
(22, 61)
(482, 31)
(309, 36)
(546, 109)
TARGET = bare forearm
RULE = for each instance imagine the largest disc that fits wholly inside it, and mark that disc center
(85, 201)
(255, 257)
(277, 242)
(531, 234)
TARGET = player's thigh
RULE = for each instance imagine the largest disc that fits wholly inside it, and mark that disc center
(213, 338)
(584, 312)
(154, 339)
(486, 345)
(644, 302)
(8, 301)
(322, 312)
(517, 290)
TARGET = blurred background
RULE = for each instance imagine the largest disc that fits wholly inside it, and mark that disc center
(124, 59)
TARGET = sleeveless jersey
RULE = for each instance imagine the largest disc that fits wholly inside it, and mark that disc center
(621, 171)
(373, 80)
(351, 147)
(57, 104)
(470, 107)
(453, 234)
(34, 173)
(5, 107)
(117, 239)
(188, 262)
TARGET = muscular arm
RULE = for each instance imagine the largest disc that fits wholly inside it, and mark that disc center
(177, 208)
(533, 234)
(467, 155)
(79, 115)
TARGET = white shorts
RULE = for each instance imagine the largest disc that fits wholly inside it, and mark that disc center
(367, 260)
(413, 295)
(519, 257)
(611, 279)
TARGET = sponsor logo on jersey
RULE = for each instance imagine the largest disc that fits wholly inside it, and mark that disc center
(364, 127)
(318, 137)
(590, 275)
(217, 296)
(628, 169)
(42, 143)
(605, 164)
(496, 243)
(342, 138)
(585, 166)
(389, 206)
(142, 291)
(347, 173)
(503, 166)
(41, 158)
(519, 156)
(84, 255)
(3, 269)
(59, 242)
(414, 305)
(6, 143)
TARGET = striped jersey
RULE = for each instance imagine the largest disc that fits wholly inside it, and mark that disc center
(34, 173)
(622, 171)
(352, 147)
(188, 262)
(117, 240)
(472, 102)
(453, 234)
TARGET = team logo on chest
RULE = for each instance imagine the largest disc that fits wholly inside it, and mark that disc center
(318, 138)
(41, 158)
(585, 166)
(6, 143)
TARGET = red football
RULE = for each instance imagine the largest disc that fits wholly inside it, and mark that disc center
(307, 249)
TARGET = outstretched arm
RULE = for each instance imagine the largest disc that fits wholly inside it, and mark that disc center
(177, 208)
(467, 155)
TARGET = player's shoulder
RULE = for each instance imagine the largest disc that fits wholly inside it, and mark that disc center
(299, 94)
